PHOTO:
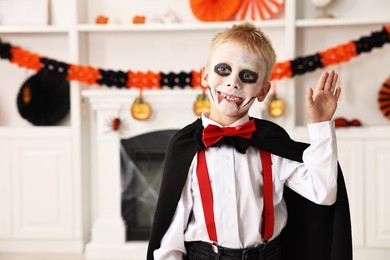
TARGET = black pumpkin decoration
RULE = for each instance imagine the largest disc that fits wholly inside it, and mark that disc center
(44, 98)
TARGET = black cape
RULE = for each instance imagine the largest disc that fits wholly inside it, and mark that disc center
(313, 232)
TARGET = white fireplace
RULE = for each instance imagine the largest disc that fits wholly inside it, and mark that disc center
(172, 109)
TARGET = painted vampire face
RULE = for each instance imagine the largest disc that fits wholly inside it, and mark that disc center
(234, 77)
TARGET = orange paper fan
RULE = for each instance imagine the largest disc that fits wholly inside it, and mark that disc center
(259, 9)
(215, 10)
(384, 98)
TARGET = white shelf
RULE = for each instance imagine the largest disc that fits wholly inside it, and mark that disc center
(340, 22)
(33, 29)
(196, 26)
(171, 27)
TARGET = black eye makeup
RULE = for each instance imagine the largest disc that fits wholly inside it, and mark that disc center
(222, 69)
(248, 76)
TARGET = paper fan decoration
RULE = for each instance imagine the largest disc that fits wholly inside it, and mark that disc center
(384, 98)
(215, 10)
(259, 9)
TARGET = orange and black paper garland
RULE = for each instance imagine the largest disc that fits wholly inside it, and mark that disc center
(158, 80)
(332, 56)
(147, 80)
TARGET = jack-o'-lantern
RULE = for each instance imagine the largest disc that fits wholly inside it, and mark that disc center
(201, 104)
(276, 106)
(141, 110)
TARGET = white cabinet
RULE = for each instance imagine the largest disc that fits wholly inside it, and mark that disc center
(42, 188)
(5, 189)
(364, 159)
(39, 192)
(351, 159)
(377, 194)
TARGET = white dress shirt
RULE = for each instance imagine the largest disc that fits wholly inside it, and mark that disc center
(237, 186)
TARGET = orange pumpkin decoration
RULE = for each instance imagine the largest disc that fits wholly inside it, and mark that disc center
(139, 19)
(341, 122)
(384, 98)
(276, 106)
(101, 19)
(355, 122)
(141, 110)
(214, 10)
(201, 104)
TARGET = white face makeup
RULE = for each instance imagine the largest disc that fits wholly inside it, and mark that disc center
(234, 78)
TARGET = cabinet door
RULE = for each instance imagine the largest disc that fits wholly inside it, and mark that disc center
(5, 190)
(42, 191)
(350, 154)
(378, 193)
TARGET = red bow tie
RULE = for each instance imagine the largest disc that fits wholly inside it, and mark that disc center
(212, 133)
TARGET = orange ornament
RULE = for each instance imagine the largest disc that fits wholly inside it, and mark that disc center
(341, 122)
(214, 10)
(139, 19)
(201, 104)
(355, 122)
(141, 110)
(101, 19)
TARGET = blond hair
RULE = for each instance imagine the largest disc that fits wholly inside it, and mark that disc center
(251, 37)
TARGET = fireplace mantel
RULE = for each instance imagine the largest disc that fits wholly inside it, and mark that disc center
(172, 109)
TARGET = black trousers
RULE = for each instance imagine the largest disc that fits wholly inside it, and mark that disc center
(199, 250)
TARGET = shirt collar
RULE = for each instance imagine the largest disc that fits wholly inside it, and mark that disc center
(207, 121)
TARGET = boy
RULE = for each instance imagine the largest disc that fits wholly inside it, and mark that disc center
(224, 196)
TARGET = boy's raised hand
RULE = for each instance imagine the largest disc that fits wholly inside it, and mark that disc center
(321, 103)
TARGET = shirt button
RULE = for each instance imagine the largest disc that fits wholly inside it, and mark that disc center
(231, 225)
(229, 190)
(226, 157)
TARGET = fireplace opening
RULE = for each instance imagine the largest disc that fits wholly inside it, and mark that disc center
(142, 162)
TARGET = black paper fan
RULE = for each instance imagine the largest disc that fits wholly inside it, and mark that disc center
(44, 99)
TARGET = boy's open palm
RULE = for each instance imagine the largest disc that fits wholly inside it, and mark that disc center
(321, 103)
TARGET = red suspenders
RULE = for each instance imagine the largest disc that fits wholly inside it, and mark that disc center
(206, 195)
(267, 226)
